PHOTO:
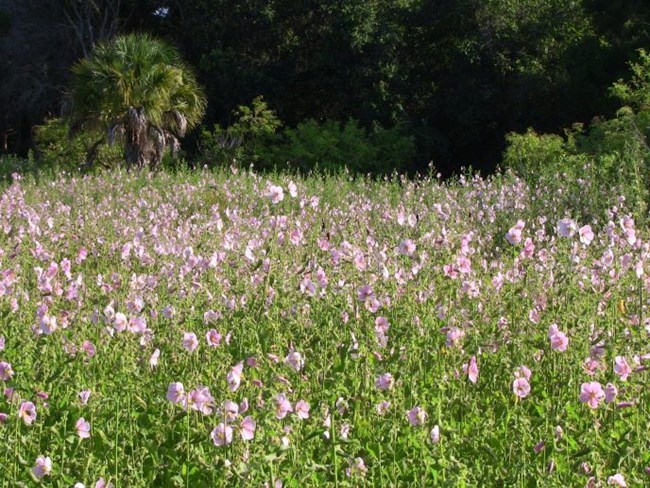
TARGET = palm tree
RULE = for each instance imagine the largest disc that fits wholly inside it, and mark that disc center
(136, 89)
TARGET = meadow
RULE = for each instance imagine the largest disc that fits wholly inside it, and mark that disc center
(226, 328)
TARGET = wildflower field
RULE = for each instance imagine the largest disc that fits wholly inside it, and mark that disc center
(233, 329)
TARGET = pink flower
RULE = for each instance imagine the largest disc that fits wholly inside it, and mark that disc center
(176, 393)
(607, 258)
(120, 322)
(611, 392)
(153, 360)
(381, 325)
(84, 396)
(274, 193)
(567, 227)
(27, 412)
(591, 366)
(234, 377)
(417, 416)
(622, 368)
(384, 381)
(372, 304)
(586, 235)
(365, 292)
(356, 468)
(435, 434)
(211, 316)
(295, 360)
(293, 189)
(454, 337)
(200, 400)
(529, 248)
(222, 435)
(89, 348)
(47, 324)
(302, 410)
(521, 387)
(533, 316)
(5, 371)
(450, 271)
(497, 281)
(559, 342)
(243, 406)
(592, 394)
(513, 236)
(523, 372)
(472, 369)
(83, 428)
(282, 406)
(617, 480)
(229, 410)
(43, 467)
(213, 337)
(190, 341)
(407, 248)
(382, 407)
(247, 428)
(81, 256)
(168, 312)
(101, 483)
(464, 265)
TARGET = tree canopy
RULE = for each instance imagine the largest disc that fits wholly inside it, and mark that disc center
(457, 76)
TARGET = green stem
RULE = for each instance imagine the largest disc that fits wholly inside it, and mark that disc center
(187, 450)
(336, 459)
(117, 439)
(65, 431)
(16, 445)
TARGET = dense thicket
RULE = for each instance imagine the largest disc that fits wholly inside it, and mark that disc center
(454, 76)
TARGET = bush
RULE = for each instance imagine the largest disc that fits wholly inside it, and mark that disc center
(56, 151)
(10, 164)
(244, 141)
(535, 156)
(609, 154)
(328, 146)
(333, 145)
(576, 168)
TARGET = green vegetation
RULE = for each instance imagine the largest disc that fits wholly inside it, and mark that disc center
(454, 77)
(220, 328)
(610, 153)
(255, 138)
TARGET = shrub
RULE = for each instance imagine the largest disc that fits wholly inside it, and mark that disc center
(611, 153)
(534, 156)
(333, 145)
(254, 128)
(254, 137)
(56, 151)
(10, 164)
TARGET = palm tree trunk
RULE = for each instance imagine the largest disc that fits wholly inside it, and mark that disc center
(135, 143)
(144, 143)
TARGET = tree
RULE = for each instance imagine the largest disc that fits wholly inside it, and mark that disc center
(137, 89)
(39, 41)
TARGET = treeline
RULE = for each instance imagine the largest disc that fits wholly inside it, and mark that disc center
(412, 80)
